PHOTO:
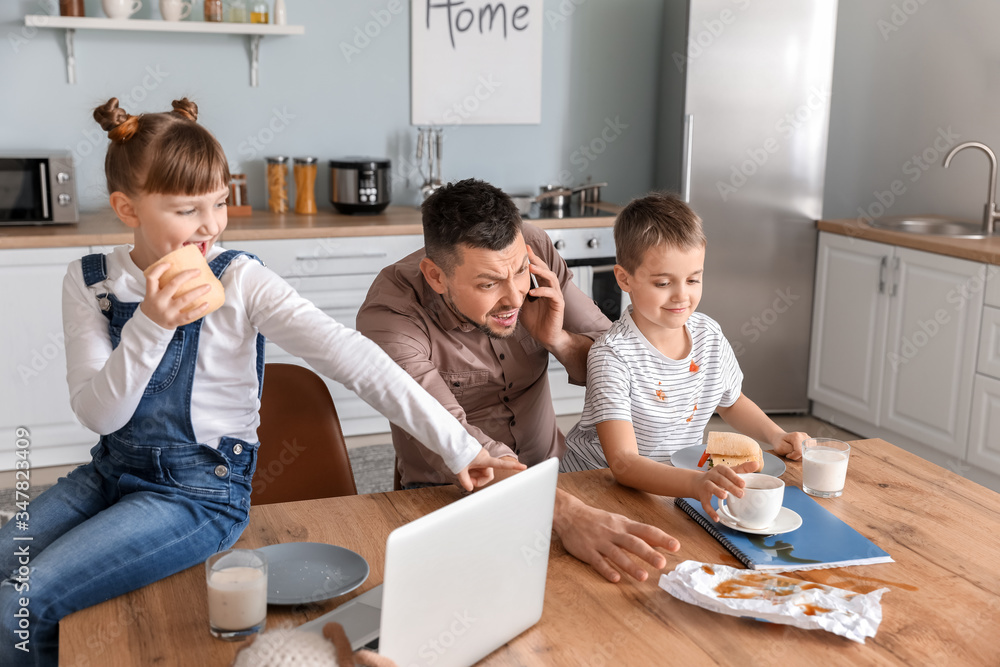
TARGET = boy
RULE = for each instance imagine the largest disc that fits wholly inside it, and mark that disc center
(661, 370)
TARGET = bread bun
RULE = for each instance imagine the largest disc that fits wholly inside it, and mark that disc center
(733, 449)
(186, 258)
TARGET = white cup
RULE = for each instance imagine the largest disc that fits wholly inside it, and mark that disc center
(824, 466)
(761, 501)
(175, 10)
(121, 9)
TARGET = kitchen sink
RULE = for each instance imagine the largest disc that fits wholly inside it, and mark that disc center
(931, 225)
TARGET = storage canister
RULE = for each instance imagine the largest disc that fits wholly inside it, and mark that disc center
(277, 183)
(305, 184)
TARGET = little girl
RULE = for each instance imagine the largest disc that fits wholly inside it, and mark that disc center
(176, 401)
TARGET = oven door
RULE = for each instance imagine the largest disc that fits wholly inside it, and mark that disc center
(24, 191)
(596, 278)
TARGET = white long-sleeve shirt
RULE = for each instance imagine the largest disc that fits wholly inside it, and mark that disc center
(105, 385)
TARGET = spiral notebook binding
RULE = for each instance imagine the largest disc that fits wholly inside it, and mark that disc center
(714, 532)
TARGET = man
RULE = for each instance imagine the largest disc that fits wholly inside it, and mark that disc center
(462, 318)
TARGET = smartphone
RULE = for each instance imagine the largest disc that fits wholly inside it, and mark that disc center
(534, 284)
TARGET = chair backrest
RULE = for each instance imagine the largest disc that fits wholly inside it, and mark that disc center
(302, 452)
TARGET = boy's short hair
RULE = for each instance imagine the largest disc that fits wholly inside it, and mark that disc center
(471, 213)
(647, 222)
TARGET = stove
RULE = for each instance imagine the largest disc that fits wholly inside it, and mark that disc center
(574, 210)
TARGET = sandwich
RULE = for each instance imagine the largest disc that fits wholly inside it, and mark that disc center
(183, 259)
(732, 449)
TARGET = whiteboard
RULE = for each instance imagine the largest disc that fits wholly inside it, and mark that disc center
(476, 62)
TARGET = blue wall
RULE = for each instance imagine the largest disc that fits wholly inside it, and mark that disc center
(599, 64)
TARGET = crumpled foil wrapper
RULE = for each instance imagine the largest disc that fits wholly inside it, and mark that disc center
(776, 598)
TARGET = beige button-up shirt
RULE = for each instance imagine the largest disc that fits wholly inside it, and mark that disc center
(498, 389)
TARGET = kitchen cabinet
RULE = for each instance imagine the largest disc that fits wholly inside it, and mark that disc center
(895, 337)
(335, 274)
(33, 391)
(984, 428)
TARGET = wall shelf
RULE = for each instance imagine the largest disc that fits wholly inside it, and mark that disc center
(254, 31)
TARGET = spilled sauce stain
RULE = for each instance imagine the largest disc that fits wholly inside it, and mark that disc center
(856, 583)
(660, 395)
(694, 367)
(762, 586)
(707, 569)
(692, 412)
(812, 610)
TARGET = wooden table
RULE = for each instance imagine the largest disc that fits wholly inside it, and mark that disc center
(943, 606)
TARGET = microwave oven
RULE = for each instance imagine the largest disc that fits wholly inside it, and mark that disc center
(37, 189)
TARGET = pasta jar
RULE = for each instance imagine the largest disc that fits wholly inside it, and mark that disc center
(305, 185)
(277, 183)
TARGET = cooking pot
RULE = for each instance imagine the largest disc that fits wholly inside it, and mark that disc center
(552, 197)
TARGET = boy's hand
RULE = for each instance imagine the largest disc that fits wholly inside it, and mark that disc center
(161, 306)
(720, 481)
(480, 471)
(790, 445)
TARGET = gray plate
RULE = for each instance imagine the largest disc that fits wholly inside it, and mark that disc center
(302, 572)
(689, 457)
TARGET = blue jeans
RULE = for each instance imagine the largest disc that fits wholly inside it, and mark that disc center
(108, 531)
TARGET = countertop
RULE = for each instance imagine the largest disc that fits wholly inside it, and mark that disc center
(977, 250)
(103, 228)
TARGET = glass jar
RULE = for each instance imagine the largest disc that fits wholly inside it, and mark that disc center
(213, 11)
(259, 13)
(71, 8)
(305, 185)
(237, 11)
(237, 190)
(277, 183)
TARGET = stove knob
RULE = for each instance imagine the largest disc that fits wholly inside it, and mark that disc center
(560, 244)
(62, 177)
(64, 199)
(592, 243)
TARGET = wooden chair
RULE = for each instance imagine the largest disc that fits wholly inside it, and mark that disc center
(302, 453)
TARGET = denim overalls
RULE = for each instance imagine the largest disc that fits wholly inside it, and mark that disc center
(152, 501)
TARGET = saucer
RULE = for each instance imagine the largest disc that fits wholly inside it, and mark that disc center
(786, 522)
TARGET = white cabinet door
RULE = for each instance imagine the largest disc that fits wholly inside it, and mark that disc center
(849, 322)
(984, 433)
(989, 343)
(933, 336)
(33, 391)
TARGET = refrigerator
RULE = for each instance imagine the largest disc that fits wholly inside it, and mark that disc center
(742, 135)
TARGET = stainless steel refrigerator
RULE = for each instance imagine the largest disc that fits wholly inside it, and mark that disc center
(744, 114)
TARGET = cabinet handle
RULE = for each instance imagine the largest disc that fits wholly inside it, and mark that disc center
(895, 275)
(881, 274)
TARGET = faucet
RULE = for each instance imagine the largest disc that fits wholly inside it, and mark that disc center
(990, 213)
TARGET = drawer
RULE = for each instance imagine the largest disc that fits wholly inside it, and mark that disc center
(300, 258)
(989, 343)
(993, 285)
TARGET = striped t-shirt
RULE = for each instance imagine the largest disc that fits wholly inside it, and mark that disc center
(668, 401)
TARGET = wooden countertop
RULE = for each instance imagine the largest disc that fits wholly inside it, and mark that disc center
(103, 228)
(944, 595)
(977, 250)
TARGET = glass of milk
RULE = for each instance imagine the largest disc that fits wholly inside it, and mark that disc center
(237, 593)
(824, 466)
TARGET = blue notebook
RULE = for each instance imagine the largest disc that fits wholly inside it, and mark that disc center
(823, 540)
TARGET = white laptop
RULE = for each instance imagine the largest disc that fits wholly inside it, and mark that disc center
(461, 581)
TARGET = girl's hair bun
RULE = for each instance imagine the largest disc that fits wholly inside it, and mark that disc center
(187, 108)
(117, 122)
